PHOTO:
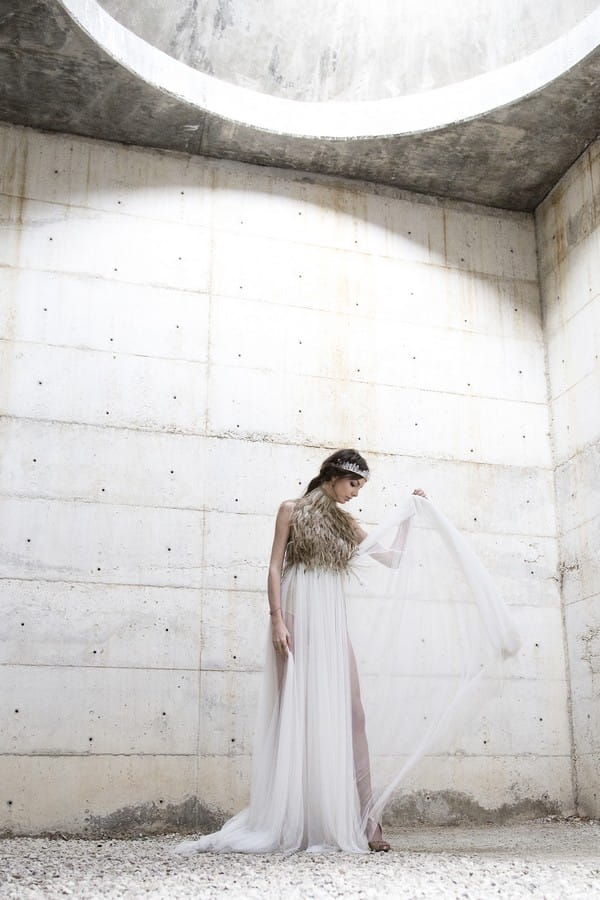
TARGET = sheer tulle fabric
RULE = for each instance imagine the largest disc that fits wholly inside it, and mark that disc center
(428, 631)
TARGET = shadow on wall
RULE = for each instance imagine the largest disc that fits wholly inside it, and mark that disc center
(483, 244)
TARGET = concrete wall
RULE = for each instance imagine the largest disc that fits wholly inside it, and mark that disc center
(568, 224)
(182, 342)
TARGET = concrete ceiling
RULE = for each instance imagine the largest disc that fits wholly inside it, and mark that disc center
(501, 137)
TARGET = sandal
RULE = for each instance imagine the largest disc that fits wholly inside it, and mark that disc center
(379, 846)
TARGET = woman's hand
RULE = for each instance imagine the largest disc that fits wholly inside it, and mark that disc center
(282, 640)
(420, 492)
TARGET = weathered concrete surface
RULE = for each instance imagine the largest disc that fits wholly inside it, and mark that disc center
(455, 808)
(321, 50)
(568, 225)
(553, 859)
(57, 78)
(181, 339)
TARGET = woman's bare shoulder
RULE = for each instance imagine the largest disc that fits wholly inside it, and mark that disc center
(286, 508)
(283, 521)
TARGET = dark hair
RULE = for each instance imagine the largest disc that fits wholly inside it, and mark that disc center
(334, 467)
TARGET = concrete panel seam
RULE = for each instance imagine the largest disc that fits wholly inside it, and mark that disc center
(572, 387)
(93, 502)
(150, 584)
(382, 316)
(77, 273)
(92, 276)
(217, 590)
(584, 598)
(583, 448)
(583, 522)
(276, 440)
(68, 755)
(103, 211)
(239, 670)
(551, 332)
(108, 351)
(240, 514)
(25, 665)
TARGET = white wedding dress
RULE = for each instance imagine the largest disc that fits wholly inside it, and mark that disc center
(428, 629)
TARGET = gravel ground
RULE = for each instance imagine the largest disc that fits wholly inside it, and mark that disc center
(549, 859)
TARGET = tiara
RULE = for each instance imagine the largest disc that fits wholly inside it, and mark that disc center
(353, 467)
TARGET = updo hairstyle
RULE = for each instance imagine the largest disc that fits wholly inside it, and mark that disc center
(333, 467)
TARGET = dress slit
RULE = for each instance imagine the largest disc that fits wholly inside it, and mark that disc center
(360, 748)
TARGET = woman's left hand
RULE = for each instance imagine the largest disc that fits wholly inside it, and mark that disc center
(420, 492)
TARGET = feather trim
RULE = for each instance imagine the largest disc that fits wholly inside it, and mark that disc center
(321, 534)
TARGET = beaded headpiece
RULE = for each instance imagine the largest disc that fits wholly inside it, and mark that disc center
(353, 467)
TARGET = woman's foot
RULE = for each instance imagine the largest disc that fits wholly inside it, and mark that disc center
(377, 844)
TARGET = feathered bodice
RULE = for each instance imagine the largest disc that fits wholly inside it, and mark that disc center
(321, 534)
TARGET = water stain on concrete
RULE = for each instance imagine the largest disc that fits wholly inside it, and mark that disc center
(155, 818)
(457, 808)
(418, 808)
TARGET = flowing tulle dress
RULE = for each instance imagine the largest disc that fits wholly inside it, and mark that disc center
(428, 632)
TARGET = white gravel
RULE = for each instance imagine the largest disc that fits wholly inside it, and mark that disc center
(549, 859)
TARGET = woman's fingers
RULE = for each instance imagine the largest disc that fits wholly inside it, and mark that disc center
(282, 642)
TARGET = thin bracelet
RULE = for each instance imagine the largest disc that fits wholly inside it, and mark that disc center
(273, 611)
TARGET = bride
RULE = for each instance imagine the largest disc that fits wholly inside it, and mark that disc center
(311, 777)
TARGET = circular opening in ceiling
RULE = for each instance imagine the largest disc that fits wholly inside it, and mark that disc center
(324, 50)
(363, 77)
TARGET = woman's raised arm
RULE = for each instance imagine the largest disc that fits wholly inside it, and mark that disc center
(393, 555)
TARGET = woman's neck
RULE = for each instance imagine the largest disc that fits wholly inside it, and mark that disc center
(327, 490)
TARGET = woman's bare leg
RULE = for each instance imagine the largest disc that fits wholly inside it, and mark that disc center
(360, 746)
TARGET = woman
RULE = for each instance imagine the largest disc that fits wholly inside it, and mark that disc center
(311, 782)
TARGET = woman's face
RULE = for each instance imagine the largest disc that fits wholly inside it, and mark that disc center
(344, 489)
